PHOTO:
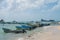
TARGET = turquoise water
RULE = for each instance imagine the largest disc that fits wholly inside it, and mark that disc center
(4, 36)
(13, 36)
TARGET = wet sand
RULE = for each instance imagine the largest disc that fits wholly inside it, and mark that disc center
(50, 33)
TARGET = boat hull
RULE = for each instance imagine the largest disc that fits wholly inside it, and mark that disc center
(13, 31)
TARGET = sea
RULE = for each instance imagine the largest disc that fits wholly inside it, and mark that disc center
(14, 36)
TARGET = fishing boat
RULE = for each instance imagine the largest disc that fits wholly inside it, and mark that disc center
(44, 25)
(25, 27)
(6, 30)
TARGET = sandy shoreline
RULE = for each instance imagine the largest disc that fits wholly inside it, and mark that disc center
(50, 33)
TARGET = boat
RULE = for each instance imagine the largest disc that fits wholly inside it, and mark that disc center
(25, 27)
(6, 30)
(44, 25)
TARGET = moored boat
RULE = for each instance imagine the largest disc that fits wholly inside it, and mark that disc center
(13, 31)
(25, 27)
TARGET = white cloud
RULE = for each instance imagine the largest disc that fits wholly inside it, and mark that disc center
(9, 3)
(25, 4)
(21, 4)
(57, 6)
(17, 6)
(50, 1)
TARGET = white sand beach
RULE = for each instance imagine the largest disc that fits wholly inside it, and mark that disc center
(50, 33)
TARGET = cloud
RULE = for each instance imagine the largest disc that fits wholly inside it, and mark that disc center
(26, 4)
(20, 4)
(57, 7)
(27, 8)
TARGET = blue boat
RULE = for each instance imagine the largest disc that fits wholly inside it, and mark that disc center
(24, 27)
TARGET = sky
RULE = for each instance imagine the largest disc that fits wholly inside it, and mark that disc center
(29, 10)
